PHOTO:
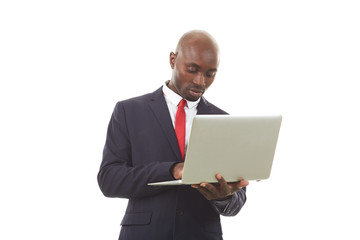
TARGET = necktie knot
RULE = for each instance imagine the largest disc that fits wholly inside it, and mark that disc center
(182, 103)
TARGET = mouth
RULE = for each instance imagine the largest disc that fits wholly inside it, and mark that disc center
(196, 92)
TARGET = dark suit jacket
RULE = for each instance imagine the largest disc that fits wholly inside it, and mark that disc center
(141, 147)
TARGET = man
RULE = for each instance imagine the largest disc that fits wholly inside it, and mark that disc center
(144, 144)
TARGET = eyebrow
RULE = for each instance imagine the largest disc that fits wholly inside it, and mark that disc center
(197, 66)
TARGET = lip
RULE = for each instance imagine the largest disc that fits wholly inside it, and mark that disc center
(196, 92)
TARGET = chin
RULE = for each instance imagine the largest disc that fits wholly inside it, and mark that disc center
(192, 99)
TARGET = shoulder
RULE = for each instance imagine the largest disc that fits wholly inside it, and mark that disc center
(139, 100)
(206, 107)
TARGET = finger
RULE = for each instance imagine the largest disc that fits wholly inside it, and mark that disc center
(209, 187)
(234, 187)
(204, 192)
(224, 187)
(177, 170)
(243, 183)
(220, 179)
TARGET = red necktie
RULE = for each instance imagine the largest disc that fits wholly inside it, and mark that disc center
(180, 121)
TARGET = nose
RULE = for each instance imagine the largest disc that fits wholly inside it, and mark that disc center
(200, 79)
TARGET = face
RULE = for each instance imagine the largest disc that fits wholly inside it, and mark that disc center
(194, 69)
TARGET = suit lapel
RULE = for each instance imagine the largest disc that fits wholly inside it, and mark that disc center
(161, 113)
(203, 107)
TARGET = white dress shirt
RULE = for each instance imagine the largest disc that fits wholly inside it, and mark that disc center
(172, 100)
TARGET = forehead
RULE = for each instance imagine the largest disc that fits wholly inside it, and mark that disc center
(202, 53)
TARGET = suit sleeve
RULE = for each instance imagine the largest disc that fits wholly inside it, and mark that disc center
(231, 206)
(117, 176)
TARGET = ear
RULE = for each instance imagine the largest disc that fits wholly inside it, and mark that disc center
(172, 59)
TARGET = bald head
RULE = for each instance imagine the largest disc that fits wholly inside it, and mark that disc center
(197, 38)
(194, 64)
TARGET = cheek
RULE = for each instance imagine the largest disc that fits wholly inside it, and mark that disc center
(209, 82)
(184, 78)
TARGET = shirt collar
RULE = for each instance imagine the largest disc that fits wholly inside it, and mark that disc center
(175, 98)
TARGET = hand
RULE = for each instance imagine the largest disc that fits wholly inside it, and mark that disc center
(177, 170)
(221, 191)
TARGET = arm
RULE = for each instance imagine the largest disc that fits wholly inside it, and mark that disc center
(231, 206)
(226, 198)
(118, 175)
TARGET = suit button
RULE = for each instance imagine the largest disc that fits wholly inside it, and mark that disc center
(179, 212)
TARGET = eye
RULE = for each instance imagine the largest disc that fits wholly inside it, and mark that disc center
(192, 69)
(210, 74)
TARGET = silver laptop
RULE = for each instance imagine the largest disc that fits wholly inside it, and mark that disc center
(234, 146)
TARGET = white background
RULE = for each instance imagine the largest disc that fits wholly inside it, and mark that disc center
(64, 65)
